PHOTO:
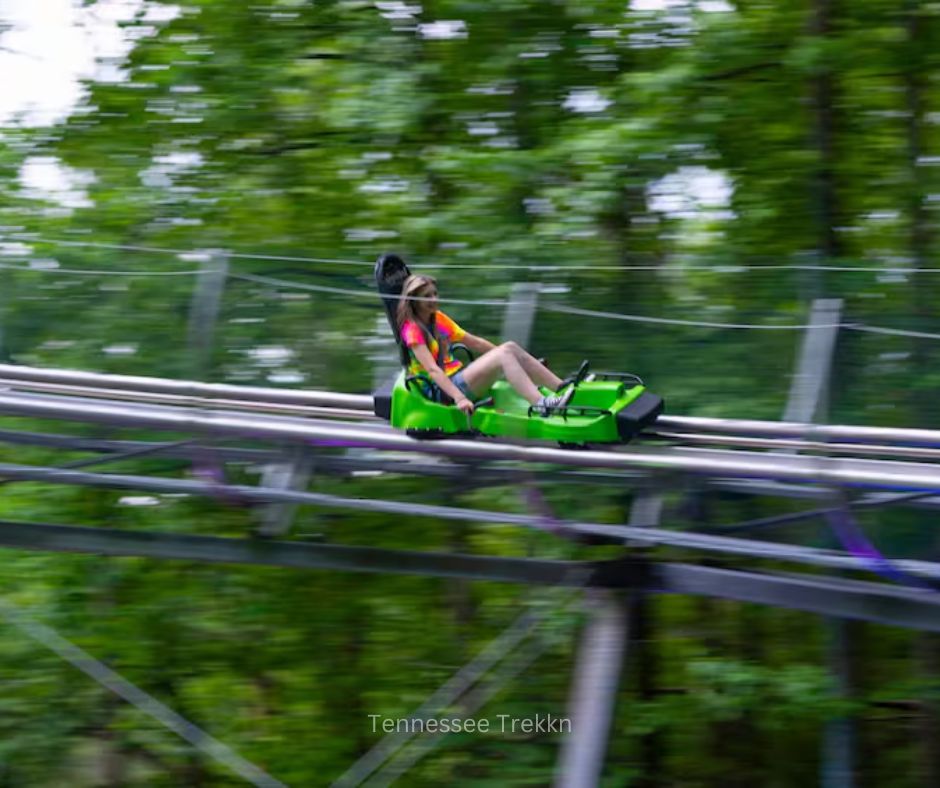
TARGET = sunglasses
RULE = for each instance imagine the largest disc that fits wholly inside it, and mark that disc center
(422, 290)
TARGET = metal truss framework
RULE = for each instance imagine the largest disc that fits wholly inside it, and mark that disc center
(593, 467)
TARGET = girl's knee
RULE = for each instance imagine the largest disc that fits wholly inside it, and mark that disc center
(516, 351)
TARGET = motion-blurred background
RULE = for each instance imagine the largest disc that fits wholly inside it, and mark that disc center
(692, 175)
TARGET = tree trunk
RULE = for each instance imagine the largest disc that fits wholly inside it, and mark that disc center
(822, 93)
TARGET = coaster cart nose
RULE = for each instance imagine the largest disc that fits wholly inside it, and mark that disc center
(639, 415)
(614, 408)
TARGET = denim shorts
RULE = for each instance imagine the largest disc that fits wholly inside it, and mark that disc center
(458, 380)
(435, 394)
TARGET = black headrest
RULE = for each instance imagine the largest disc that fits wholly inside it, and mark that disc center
(390, 274)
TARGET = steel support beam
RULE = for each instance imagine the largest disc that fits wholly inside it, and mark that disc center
(415, 465)
(204, 311)
(292, 555)
(605, 640)
(838, 757)
(593, 532)
(292, 474)
(808, 403)
(594, 691)
(876, 602)
(519, 316)
(809, 391)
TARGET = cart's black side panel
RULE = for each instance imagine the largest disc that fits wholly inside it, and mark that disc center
(639, 414)
(382, 399)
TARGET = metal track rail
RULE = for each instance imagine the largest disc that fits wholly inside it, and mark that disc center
(190, 401)
(743, 433)
(346, 413)
(185, 388)
(792, 445)
(881, 474)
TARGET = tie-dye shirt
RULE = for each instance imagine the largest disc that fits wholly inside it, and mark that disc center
(413, 335)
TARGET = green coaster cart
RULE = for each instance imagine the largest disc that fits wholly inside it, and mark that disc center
(606, 407)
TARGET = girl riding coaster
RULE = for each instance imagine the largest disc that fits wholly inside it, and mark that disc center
(429, 334)
(433, 395)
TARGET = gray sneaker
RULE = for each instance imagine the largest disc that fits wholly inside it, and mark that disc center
(546, 405)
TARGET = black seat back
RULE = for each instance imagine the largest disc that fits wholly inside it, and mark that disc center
(390, 274)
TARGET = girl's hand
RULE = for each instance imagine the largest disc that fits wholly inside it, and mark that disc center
(465, 405)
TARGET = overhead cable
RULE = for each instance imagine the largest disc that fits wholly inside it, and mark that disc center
(570, 310)
(39, 269)
(892, 331)
(270, 280)
(560, 308)
(732, 268)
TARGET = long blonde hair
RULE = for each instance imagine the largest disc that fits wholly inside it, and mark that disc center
(408, 308)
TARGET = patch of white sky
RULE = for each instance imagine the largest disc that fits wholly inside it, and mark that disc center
(708, 6)
(692, 192)
(444, 28)
(160, 175)
(45, 177)
(586, 100)
(54, 47)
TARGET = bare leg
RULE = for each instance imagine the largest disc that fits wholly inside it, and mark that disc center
(500, 361)
(535, 369)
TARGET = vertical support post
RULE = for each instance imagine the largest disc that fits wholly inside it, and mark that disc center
(646, 512)
(594, 692)
(604, 645)
(837, 767)
(926, 661)
(292, 474)
(204, 310)
(8, 296)
(808, 403)
(520, 313)
(809, 390)
(647, 508)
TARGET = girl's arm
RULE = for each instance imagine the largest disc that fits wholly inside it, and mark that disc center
(478, 345)
(437, 374)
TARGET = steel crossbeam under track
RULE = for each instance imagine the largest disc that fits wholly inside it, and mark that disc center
(380, 463)
(593, 532)
(293, 555)
(882, 474)
(875, 602)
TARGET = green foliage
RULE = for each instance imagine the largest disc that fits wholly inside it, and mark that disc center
(536, 134)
